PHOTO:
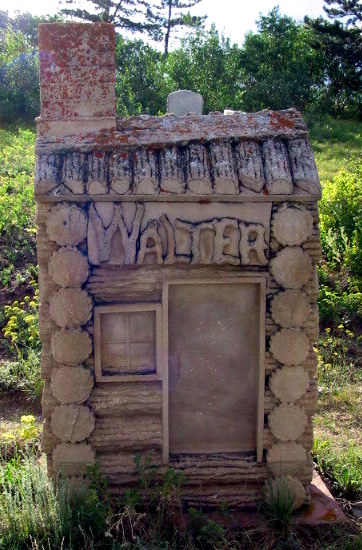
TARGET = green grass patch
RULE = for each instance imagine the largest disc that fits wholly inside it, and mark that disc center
(17, 208)
(333, 142)
(338, 443)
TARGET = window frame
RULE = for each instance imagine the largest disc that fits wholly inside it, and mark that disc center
(128, 308)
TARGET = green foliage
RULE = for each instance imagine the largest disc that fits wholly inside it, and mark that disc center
(19, 90)
(338, 304)
(35, 513)
(340, 43)
(21, 328)
(22, 375)
(124, 14)
(336, 359)
(280, 69)
(22, 334)
(341, 218)
(17, 208)
(207, 63)
(278, 507)
(340, 274)
(206, 533)
(140, 79)
(24, 439)
(343, 468)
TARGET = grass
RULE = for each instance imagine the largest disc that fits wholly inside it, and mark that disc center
(337, 424)
(333, 142)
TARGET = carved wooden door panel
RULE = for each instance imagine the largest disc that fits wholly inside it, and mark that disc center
(214, 365)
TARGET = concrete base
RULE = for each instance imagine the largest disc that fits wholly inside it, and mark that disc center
(323, 508)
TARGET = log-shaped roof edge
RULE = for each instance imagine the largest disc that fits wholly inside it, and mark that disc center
(169, 130)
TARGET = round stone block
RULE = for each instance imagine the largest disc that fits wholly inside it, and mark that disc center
(291, 267)
(289, 346)
(69, 268)
(72, 459)
(67, 225)
(290, 308)
(289, 383)
(70, 307)
(70, 346)
(72, 423)
(292, 225)
(281, 489)
(286, 458)
(71, 384)
(287, 422)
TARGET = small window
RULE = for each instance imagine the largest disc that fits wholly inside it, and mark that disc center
(127, 342)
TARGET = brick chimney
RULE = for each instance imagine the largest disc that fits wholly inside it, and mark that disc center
(77, 78)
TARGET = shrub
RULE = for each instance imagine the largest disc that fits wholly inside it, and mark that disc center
(17, 208)
(35, 513)
(21, 329)
(341, 218)
(25, 438)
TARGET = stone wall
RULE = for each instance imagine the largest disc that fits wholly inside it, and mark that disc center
(125, 210)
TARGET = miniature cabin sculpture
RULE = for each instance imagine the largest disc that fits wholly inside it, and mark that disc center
(177, 273)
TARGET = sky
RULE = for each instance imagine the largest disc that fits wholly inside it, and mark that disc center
(233, 17)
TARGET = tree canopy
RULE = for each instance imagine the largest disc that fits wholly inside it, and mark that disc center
(169, 15)
(340, 43)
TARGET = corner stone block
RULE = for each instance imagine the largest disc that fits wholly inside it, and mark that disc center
(292, 225)
(286, 458)
(291, 267)
(70, 307)
(287, 422)
(68, 267)
(72, 423)
(67, 225)
(71, 384)
(70, 346)
(289, 346)
(289, 383)
(73, 459)
(290, 308)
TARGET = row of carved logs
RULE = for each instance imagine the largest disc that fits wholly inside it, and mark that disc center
(70, 308)
(222, 168)
(290, 350)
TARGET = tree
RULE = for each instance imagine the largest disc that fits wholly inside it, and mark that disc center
(124, 14)
(345, 8)
(19, 76)
(169, 15)
(280, 67)
(340, 43)
(208, 64)
(140, 78)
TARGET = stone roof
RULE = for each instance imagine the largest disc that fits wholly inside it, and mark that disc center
(266, 153)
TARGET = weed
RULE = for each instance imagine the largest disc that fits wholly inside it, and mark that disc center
(279, 504)
(206, 533)
(343, 468)
(23, 439)
(35, 511)
(21, 328)
(22, 375)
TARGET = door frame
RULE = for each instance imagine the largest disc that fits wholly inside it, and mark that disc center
(239, 279)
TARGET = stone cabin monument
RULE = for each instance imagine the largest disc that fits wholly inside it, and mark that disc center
(177, 273)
